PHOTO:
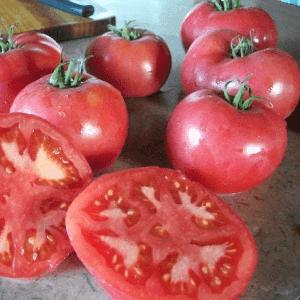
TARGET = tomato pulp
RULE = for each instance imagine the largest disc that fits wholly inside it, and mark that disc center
(151, 233)
(41, 173)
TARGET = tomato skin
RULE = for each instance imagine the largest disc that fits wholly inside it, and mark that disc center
(137, 68)
(34, 55)
(275, 73)
(99, 212)
(226, 149)
(41, 173)
(252, 22)
(93, 115)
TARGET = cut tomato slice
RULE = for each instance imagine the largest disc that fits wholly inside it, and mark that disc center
(41, 173)
(151, 233)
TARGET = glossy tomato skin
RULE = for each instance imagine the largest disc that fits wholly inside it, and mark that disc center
(93, 115)
(252, 22)
(41, 172)
(33, 56)
(137, 68)
(275, 73)
(226, 149)
(151, 233)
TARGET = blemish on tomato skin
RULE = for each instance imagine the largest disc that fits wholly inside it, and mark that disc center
(93, 99)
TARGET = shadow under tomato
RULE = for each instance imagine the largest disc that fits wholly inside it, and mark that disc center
(293, 121)
(145, 144)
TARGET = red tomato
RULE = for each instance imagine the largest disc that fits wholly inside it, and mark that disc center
(151, 233)
(252, 22)
(41, 173)
(32, 56)
(138, 67)
(226, 149)
(275, 73)
(93, 115)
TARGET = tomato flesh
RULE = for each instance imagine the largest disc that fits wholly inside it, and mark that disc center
(151, 233)
(40, 174)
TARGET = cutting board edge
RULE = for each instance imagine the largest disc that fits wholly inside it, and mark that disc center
(73, 31)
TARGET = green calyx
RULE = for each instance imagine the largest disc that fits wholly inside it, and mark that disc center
(63, 79)
(128, 33)
(238, 100)
(225, 5)
(242, 48)
(6, 44)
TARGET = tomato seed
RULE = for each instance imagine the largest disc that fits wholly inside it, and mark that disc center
(177, 184)
(166, 277)
(217, 281)
(114, 259)
(204, 270)
(98, 203)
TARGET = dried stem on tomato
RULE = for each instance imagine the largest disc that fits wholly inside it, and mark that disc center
(6, 42)
(242, 47)
(238, 100)
(63, 79)
(128, 33)
(225, 5)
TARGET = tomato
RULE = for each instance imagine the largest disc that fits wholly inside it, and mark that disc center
(227, 149)
(275, 73)
(252, 22)
(136, 61)
(41, 173)
(151, 233)
(92, 114)
(27, 57)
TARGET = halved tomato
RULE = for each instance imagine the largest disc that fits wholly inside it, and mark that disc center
(40, 174)
(151, 233)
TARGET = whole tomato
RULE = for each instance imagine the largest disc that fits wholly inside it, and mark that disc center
(25, 58)
(227, 146)
(135, 61)
(252, 22)
(223, 55)
(152, 234)
(91, 112)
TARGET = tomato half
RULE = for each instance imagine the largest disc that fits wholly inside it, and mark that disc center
(151, 233)
(41, 173)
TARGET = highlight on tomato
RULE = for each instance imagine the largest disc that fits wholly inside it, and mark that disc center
(40, 174)
(90, 112)
(151, 233)
(227, 143)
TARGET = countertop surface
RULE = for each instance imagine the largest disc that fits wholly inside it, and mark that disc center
(271, 211)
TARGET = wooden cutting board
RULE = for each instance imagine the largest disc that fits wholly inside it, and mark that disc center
(62, 26)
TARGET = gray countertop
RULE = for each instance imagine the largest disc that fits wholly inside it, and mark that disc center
(271, 211)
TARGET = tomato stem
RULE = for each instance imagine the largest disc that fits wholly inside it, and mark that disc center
(6, 44)
(238, 100)
(128, 33)
(225, 5)
(243, 48)
(64, 79)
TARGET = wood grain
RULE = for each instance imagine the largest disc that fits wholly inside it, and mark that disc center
(34, 16)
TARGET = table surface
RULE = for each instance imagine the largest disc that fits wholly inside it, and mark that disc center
(271, 210)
